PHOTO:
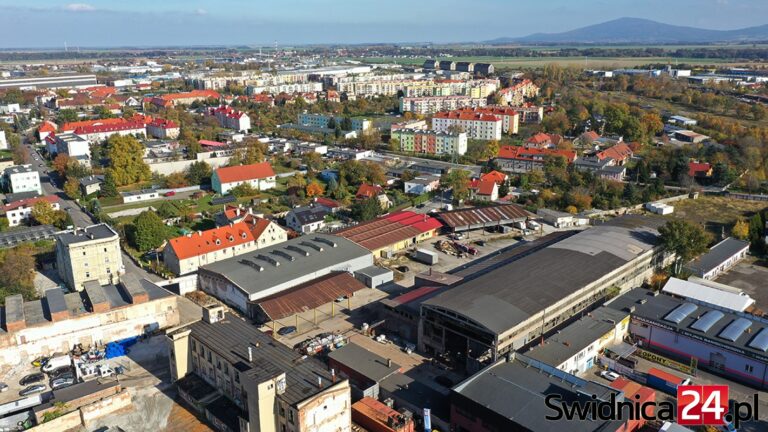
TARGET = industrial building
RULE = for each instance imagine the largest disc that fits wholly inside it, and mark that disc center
(97, 315)
(509, 396)
(392, 233)
(709, 293)
(364, 369)
(727, 343)
(575, 348)
(262, 385)
(49, 82)
(720, 258)
(244, 280)
(484, 217)
(504, 307)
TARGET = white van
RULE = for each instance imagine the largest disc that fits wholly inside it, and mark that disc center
(57, 362)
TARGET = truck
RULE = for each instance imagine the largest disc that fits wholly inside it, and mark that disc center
(57, 362)
(664, 381)
(533, 225)
(425, 256)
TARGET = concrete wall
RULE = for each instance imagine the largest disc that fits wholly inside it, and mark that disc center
(89, 329)
(104, 406)
(170, 167)
(66, 422)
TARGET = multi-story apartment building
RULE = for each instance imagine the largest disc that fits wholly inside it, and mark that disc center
(322, 120)
(241, 380)
(187, 98)
(530, 113)
(431, 142)
(163, 129)
(431, 104)
(510, 119)
(75, 146)
(231, 118)
(475, 125)
(519, 92)
(22, 178)
(99, 133)
(289, 88)
(185, 254)
(20, 211)
(89, 254)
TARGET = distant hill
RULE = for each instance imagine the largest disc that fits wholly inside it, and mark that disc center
(641, 31)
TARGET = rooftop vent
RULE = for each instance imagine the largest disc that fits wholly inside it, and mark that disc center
(284, 254)
(268, 259)
(314, 246)
(329, 242)
(297, 250)
(252, 264)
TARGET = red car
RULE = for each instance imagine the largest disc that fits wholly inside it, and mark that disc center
(170, 193)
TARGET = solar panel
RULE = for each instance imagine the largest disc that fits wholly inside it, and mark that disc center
(680, 313)
(735, 329)
(706, 322)
(760, 342)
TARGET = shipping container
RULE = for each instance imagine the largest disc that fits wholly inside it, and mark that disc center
(425, 256)
(664, 381)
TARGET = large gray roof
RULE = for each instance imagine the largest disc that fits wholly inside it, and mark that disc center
(507, 295)
(718, 254)
(231, 337)
(257, 271)
(98, 232)
(364, 362)
(516, 392)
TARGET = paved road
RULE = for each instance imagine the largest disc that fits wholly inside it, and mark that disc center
(51, 182)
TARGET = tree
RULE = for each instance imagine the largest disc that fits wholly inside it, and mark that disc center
(4, 224)
(66, 116)
(458, 182)
(17, 272)
(366, 209)
(243, 190)
(332, 123)
(109, 187)
(296, 181)
(740, 230)
(126, 160)
(504, 189)
(176, 180)
(756, 237)
(43, 213)
(346, 124)
(60, 163)
(199, 172)
(148, 231)
(313, 161)
(408, 175)
(167, 210)
(685, 239)
(72, 188)
(314, 189)
(394, 145)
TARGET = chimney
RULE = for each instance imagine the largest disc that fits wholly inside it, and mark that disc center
(319, 382)
(250, 354)
(333, 375)
(200, 233)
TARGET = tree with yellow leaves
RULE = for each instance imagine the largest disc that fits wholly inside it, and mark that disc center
(740, 230)
(315, 189)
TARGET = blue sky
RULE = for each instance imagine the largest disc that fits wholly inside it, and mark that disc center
(99, 23)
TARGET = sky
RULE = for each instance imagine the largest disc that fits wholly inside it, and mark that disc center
(115, 23)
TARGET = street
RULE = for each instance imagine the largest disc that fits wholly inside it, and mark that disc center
(51, 186)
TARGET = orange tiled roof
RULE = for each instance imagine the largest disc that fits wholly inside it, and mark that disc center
(618, 152)
(245, 172)
(368, 191)
(515, 152)
(203, 242)
(47, 126)
(494, 176)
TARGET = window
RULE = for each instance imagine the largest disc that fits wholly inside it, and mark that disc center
(749, 368)
(87, 274)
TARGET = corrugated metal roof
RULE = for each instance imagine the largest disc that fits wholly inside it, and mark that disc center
(690, 290)
(389, 230)
(310, 295)
(484, 215)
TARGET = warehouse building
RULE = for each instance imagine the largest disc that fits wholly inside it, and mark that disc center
(575, 348)
(505, 307)
(484, 217)
(392, 233)
(247, 282)
(720, 258)
(728, 343)
(709, 293)
(510, 396)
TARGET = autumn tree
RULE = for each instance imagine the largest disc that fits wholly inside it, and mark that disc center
(365, 210)
(147, 232)
(60, 163)
(17, 272)
(314, 189)
(740, 230)
(72, 188)
(198, 172)
(44, 214)
(125, 155)
(685, 239)
(176, 180)
(457, 181)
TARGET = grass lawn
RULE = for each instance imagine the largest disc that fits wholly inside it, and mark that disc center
(716, 212)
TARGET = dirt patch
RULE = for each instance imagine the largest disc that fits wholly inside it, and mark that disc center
(716, 213)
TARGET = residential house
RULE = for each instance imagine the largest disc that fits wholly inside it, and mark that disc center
(70, 144)
(19, 212)
(307, 219)
(475, 125)
(185, 254)
(91, 184)
(484, 190)
(231, 118)
(431, 142)
(605, 168)
(332, 206)
(620, 153)
(497, 177)
(260, 176)
(45, 129)
(173, 99)
(699, 170)
(163, 129)
(518, 93)
(516, 159)
(21, 178)
(421, 185)
(543, 140)
(366, 191)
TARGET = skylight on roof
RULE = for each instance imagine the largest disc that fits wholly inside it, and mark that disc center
(735, 329)
(680, 313)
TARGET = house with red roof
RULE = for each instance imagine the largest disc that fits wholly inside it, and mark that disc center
(519, 92)
(366, 191)
(163, 129)
(620, 153)
(543, 140)
(20, 211)
(497, 177)
(45, 129)
(185, 254)
(260, 176)
(483, 190)
(231, 118)
(699, 169)
(514, 159)
(186, 98)
(333, 206)
(476, 125)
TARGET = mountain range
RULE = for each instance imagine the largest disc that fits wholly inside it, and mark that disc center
(640, 31)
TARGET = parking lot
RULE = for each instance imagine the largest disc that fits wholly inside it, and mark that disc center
(751, 276)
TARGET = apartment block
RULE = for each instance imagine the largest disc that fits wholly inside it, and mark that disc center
(431, 142)
(89, 254)
(22, 178)
(476, 125)
(431, 104)
(322, 120)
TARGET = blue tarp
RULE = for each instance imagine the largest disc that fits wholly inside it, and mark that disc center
(119, 348)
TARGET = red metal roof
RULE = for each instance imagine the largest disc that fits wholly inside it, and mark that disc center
(666, 376)
(484, 215)
(414, 294)
(209, 143)
(101, 128)
(695, 168)
(389, 229)
(245, 172)
(309, 295)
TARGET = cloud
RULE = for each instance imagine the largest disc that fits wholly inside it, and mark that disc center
(79, 7)
(201, 12)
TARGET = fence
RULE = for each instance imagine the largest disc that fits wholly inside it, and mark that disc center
(749, 197)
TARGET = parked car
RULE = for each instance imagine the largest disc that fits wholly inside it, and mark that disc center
(3, 387)
(457, 236)
(609, 375)
(57, 362)
(170, 193)
(62, 382)
(32, 378)
(57, 373)
(283, 331)
(37, 388)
